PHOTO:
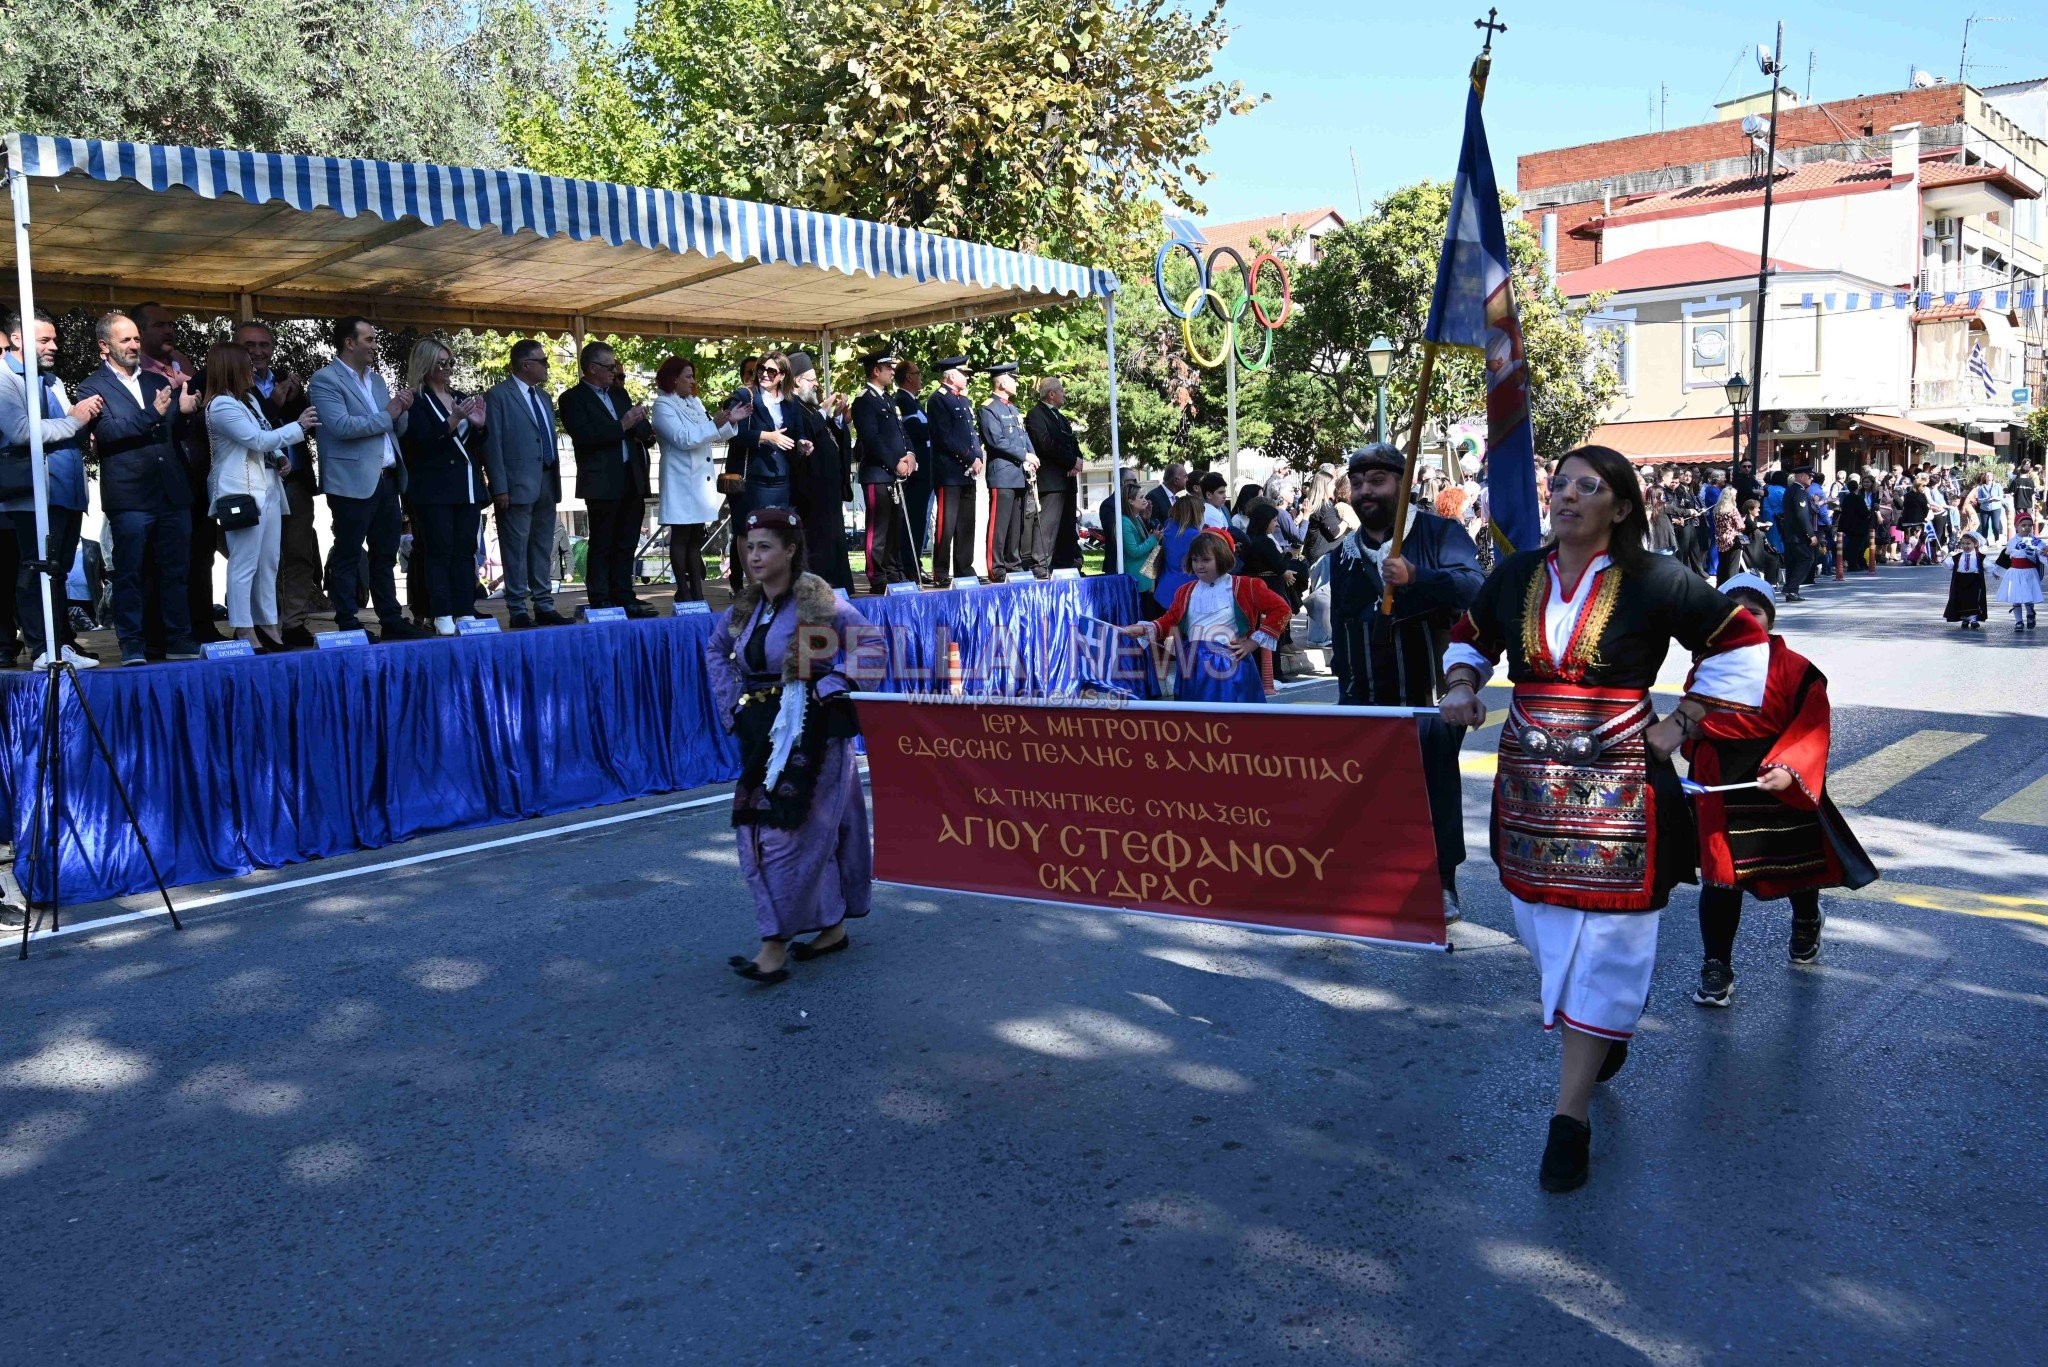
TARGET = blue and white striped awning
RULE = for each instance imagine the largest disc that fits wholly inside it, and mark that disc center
(442, 243)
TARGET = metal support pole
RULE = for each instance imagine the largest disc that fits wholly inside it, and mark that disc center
(1230, 373)
(1116, 460)
(1763, 270)
(32, 399)
(825, 365)
(1379, 419)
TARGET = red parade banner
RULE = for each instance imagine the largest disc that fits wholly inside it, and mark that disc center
(1296, 818)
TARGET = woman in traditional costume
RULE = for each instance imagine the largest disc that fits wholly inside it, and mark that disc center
(1782, 838)
(2020, 585)
(1967, 603)
(1222, 619)
(777, 662)
(1590, 829)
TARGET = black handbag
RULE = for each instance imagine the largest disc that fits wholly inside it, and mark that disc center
(17, 473)
(237, 512)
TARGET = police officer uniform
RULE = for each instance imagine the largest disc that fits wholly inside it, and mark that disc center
(883, 450)
(956, 452)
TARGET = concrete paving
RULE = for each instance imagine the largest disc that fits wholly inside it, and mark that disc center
(509, 1105)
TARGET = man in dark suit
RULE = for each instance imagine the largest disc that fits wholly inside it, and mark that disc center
(144, 489)
(1059, 480)
(1163, 495)
(1011, 466)
(918, 490)
(611, 434)
(1796, 529)
(956, 450)
(158, 327)
(884, 455)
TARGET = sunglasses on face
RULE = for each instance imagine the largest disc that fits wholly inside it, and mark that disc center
(771, 370)
(1587, 485)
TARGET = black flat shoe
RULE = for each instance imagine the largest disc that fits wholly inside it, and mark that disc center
(753, 973)
(739, 961)
(1617, 1055)
(1565, 1156)
(804, 952)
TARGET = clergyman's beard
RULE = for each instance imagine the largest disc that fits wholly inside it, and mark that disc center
(1373, 515)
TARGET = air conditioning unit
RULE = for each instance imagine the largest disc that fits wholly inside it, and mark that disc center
(1945, 229)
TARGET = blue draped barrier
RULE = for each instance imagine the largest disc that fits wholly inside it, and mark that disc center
(235, 765)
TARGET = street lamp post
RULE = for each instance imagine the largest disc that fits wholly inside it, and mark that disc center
(1737, 390)
(1773, 66)
(1379, 358)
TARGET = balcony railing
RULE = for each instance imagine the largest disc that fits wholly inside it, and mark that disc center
(1963, 393)
(1939, 280)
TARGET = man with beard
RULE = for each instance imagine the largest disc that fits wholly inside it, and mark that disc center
(1383, 661)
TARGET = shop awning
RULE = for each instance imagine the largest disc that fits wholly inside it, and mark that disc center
(1668, 441)
(405, 242)
(1906, 429)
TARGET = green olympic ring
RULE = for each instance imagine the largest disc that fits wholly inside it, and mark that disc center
(1198, 301)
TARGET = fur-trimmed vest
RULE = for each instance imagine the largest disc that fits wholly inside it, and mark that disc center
(816, 606)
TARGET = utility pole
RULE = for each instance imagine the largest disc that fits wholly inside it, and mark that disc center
(1773, 69)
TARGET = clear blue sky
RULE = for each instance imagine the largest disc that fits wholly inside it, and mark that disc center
(1389, 79)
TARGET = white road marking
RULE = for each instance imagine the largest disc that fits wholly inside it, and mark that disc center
(2027, 807)
(1868, 778)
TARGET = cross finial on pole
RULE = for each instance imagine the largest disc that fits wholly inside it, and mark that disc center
(1491, 27)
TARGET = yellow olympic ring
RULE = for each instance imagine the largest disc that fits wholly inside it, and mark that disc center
(1200, 296)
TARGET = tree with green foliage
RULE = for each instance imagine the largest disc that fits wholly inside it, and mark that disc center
(1374, 278)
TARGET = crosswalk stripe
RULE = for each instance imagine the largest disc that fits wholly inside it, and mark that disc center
(1480, 764)
(1862, 782)
(1956, 901)
(2027, 807)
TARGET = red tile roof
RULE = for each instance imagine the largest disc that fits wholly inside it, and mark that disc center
(1691, 263)
(1270, 230)
(1812, 180)
(1937, 174)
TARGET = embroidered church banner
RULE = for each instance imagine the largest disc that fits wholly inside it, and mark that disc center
(1291, 818)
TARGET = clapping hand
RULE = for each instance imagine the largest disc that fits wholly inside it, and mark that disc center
(163, 399)
(86, 409)
(478, 410)
(400, 401)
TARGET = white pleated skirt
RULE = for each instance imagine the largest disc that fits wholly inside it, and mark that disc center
(1595, 965)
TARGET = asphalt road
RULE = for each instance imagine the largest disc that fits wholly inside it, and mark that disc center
(509, 1105)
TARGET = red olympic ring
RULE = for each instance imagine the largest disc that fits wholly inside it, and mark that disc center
(1286, 291)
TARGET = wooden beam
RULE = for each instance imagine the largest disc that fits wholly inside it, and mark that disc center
(389, 233)
(702, 277)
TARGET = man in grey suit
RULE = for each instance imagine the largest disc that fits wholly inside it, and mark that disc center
(522, 459)
(362, 475)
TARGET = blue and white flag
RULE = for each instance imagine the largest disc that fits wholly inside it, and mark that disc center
(1474, 306)
(1980, 366)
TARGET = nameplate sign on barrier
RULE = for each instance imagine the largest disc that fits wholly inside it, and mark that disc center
(1068, 573)
(604, 614)
(228, 650)
(901, 586)
(341, 640)
(476, 626)
(699, 608)
(966, 581)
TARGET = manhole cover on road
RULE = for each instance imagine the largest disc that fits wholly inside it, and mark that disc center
(613, 892)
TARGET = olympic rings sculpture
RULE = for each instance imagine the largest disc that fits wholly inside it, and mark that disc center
(1198, 302)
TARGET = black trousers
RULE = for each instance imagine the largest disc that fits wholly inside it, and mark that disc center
(888, 552)
(686, 561)
(28, 583)
(206, 543)
(614, 530)
(1721, 916)
(374, 523)
(444, 545)
(10, 566)
(1445, 785)
(1006, 549)
(1799, 560)
(1055, 516)
(953, 544)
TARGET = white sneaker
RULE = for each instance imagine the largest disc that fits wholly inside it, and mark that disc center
(444, 626)
(68, 656)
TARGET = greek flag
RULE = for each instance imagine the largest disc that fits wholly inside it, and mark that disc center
(1980, 366)
(1474, 306)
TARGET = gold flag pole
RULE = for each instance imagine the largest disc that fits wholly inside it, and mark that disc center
(1481, 66)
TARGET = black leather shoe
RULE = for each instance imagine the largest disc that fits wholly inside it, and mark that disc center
(298, 638)
(752, 973)
(1566, 1156)
(548, 617)
(398, 629)
(520, 621)
(1617, 1055)
(639, 611)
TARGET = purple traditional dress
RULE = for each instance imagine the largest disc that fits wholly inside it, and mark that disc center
(798, 812)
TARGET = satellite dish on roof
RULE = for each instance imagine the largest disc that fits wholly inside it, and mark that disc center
(1922, 80)
(1753, 125)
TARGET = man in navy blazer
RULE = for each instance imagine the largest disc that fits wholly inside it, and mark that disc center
(144, 490)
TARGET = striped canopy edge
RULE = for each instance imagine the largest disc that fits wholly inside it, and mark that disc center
(513, 201)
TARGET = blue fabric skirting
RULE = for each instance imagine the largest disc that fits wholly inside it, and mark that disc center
(1210, 675)
(235, 765)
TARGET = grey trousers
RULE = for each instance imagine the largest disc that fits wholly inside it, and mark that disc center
(526, 540)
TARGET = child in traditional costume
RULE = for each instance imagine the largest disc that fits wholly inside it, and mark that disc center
(1223, 620)
(1783, 837)
(1967, 603)
(2020, 586)
(1590, 827)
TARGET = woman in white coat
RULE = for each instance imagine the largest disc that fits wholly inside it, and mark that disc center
(689, 468)
(249, 456)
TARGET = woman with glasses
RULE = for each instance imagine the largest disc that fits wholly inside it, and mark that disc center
(768, 443)
(689, 493)
(443, 447)
(1590, 830)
